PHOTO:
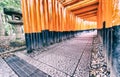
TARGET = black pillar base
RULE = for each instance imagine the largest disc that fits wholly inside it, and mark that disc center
(45, 38)
(116, 50)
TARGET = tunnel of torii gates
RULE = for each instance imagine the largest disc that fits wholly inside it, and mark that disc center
(50, 21)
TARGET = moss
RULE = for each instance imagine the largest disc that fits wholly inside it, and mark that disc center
(17, 43)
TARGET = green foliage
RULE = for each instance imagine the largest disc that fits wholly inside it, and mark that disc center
(10, 3)
(16, 4)
(8, 28)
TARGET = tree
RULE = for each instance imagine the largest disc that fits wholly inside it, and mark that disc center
(10, 3)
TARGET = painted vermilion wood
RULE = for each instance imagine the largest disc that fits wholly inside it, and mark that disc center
(82, 4)
(50, 21)
(51, 15)
(108, 13)
(39, 28)
(87, 13)
(65, 4)
(61, 16)
(53, 6)
(56, 16)
(93, 18)
(46, 14)
(50, 18)
(33, 17)
(25, 16)
(83, 10)
(99, 16)
(42, 14)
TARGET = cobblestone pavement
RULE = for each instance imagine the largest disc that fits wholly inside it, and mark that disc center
(70, 58)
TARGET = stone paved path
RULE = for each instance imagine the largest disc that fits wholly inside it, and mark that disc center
(68, 59)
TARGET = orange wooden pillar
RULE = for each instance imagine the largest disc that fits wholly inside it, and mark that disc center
(27, 28)
(44, 20)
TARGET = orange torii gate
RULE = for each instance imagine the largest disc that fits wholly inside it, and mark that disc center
(50, 21)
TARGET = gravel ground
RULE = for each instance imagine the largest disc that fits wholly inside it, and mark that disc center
(70, 58)
(98, 62)
(8, 43)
